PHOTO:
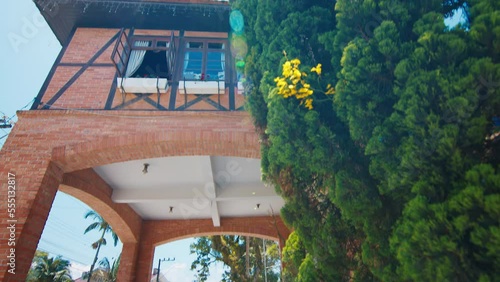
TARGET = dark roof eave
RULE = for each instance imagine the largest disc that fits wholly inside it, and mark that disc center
(63, 18)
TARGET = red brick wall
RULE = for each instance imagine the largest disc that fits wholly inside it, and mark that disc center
(92, 87)
(160, 232)
(86, 42)
(88, 187)
(56, 149)
(45, 144)
(36, 186)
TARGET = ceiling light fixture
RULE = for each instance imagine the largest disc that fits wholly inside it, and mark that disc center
(145, 169)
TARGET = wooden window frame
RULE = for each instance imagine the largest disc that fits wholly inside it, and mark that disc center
(205, 50)
(154, 42)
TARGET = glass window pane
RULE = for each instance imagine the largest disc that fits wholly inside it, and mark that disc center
(193, 61)
(162, 44)
(194, 45)
(212, 45)
(143, 43)
(215, 56)
(215, 67)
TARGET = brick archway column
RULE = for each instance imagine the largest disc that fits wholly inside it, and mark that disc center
(36, 187)
(87, 186)
(127, 268)
(144, 262)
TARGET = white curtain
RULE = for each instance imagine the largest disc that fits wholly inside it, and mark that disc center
(186, 62)
(223, 66)
(222, 61)
(136, 58)
(167, 57)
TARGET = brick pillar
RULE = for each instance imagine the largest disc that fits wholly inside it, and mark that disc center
(128, 261)
(144, 263)
(36, 183)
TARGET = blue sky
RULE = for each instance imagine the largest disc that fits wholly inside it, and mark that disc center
(29, 49)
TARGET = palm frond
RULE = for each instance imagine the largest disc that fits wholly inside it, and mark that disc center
(104, 263)
(91, 227)
(115, 237)
(54, 269)
(116, 265)
(93, 214)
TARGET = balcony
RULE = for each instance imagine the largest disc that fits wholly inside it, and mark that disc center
(197, 70)
(142, 85)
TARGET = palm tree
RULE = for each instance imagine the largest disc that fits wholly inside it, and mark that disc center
(101, 225)
(45, 269)
(111, 270)
(106, 272)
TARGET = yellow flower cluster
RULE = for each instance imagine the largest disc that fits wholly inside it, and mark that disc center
(292, 82)
(317, 69)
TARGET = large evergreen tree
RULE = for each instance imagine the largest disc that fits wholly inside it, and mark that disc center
(396, 177)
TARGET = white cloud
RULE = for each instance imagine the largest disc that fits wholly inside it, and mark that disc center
(216, 272)
(179, 266)
(181, 272)
(178, 272)
(77, 269)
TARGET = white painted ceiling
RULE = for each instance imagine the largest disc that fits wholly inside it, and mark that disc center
(192, 187)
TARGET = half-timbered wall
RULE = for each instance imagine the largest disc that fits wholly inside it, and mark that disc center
(84, 77)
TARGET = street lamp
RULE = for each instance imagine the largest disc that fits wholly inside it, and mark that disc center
(159, 263)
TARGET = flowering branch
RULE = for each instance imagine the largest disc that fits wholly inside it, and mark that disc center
(293, 82)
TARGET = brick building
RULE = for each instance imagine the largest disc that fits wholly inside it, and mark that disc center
(141, 118)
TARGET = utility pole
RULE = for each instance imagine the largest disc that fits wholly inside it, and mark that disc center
(159, 264)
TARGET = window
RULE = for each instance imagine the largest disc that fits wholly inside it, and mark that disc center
(149, 58)
(204, 61)
(144, 64)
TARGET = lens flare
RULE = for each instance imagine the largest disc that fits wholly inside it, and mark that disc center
(236, 21)
(239, 46)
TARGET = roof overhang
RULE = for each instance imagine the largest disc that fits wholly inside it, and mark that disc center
(63, 16)
(192, 187)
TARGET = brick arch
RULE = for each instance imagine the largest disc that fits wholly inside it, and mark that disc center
(203, 134)
(155, 233)
(96, 139)
(88, 187)
(204, 234)
(155, 135)
(162, 232)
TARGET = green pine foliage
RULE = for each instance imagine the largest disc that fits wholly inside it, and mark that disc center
(397, 178)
